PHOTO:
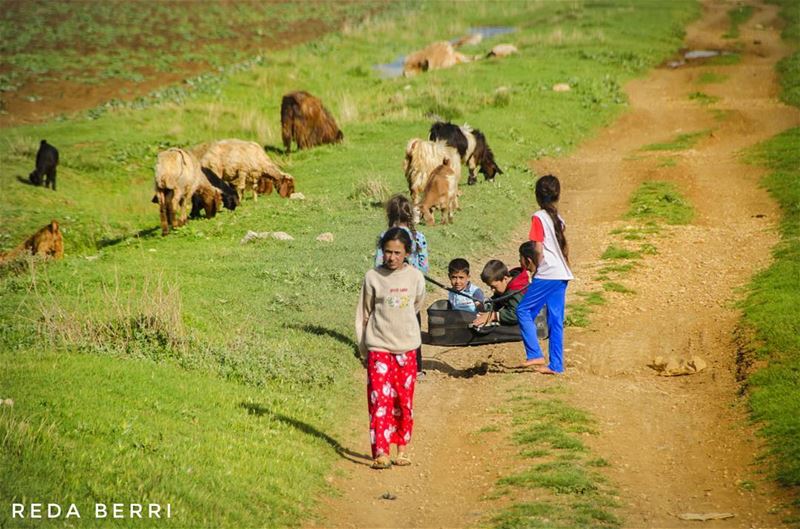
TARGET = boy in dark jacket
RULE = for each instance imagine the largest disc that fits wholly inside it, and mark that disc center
(503, 281)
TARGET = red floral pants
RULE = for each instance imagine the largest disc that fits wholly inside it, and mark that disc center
(390, 397)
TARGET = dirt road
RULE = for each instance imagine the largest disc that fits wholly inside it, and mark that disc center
(676, 445)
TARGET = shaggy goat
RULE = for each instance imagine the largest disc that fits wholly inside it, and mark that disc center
(422, 157)
(245, 165)
(442, 192)
(230, 198)
(306, 121)
(47, 243)
(471, 146)
(46, 162)
(177, 177)
(435, 56)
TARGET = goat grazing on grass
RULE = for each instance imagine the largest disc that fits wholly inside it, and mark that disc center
(441, 192)
(422, 157)
(246, 166)
(46, 162)
(177, 177)
(305, 120)
(471, 146)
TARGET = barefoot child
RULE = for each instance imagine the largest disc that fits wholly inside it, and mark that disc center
(549, 262)
(388, 334)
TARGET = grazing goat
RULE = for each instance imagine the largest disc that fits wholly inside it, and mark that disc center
(230, 198)
(422, 157)
(208, 198)
(306, 121)
(177, 177)
(442, 192)
(435, 56)
(471, 146)
(47, 243)
(245, 165)
(46, 162)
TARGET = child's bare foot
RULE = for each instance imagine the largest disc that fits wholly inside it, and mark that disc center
(544, 370)
(533, 362)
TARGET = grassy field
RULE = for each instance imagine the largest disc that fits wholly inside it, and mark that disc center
(772, 314)
(91, 43)
(197, 370)
(771, 320)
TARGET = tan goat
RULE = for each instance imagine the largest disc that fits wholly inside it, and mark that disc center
(422, 157)
(177, 176)
(441, 192)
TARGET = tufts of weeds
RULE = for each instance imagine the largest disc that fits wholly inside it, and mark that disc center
(370, 192)
(738, 16)
(547, 430)
(680, 143)
(660, 201)
(711, 77)
(703, 98)
(611, 286)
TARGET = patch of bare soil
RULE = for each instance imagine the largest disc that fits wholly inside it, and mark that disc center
(676, 444)
(59, 95)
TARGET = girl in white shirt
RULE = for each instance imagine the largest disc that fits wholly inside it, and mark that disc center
(551, 274)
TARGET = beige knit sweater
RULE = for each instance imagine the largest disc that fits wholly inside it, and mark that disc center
(386, 316)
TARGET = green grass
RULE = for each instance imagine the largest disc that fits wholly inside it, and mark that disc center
(738, 16)
(611, 286)
(268, 323)
(562, 473)
(667, 162)
(660, 201)
(703, 98)
(91, 44)
(789, 67)
(680, 143)
(617, 253)
(578, 312)
(711, 78)
(772, 314)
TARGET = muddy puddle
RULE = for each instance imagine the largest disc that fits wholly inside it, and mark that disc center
(474, 36)
(689, 56)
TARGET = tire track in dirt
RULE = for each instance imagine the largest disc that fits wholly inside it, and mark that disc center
(675, 444)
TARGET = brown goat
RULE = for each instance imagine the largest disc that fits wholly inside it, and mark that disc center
(306, 121)
(441, 192)
(47, 243)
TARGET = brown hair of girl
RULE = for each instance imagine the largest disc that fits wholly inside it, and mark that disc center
(400, 213)
(548, 191)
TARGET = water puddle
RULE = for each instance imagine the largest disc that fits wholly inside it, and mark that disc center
(395, 68)
(694, 55)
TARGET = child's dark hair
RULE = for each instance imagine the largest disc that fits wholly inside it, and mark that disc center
(458, 265)
(396, 234)
(548, 191)
(399, 211)
(527, 251)
(494, 270)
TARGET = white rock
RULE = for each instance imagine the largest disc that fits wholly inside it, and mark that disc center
(282, 236)
(297, 196)
(325, 237)
(561, 87)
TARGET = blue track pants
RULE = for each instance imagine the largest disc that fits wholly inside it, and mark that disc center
(550, 292)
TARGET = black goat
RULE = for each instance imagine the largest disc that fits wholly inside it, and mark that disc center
(471, 146)
(46, 162)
